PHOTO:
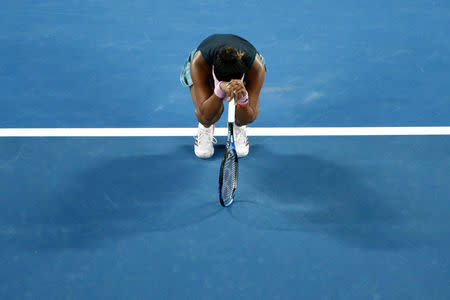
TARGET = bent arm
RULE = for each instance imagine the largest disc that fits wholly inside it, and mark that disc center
(255, 80)
(209, 107)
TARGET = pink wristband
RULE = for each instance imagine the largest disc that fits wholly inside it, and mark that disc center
(222, 95)
(217, 89)
(243, 101)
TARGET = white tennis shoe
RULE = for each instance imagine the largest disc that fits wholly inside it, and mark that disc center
(241, 140)
(203, 146)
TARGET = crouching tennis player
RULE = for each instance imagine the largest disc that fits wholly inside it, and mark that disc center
(223, 67)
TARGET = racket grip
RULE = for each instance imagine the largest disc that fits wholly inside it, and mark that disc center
(231, 111)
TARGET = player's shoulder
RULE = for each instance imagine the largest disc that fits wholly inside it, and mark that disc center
(257, 67)
(199, 61)
(200, 70)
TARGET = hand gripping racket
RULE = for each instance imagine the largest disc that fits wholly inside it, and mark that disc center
(228, 176)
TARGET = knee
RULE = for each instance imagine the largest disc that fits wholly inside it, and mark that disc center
(205, 121)
(210, 119)
(249, 119)
(255, 115)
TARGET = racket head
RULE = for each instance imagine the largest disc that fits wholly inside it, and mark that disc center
(228, 176)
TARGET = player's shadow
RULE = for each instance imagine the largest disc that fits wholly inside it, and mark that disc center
(124, 196)
(307, 193)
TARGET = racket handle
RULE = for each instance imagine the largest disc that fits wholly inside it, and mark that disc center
(231, 111)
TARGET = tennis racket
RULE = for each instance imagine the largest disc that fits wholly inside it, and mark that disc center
(228, 176)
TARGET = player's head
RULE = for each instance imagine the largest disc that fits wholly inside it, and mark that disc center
(228, 64)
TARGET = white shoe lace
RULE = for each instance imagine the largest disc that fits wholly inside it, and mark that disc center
(205, 135)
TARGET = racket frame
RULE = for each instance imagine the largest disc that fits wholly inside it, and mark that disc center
(229, 147)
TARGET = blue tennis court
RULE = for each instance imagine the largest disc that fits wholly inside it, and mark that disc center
(315, 217)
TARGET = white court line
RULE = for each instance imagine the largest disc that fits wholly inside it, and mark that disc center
(252, 131)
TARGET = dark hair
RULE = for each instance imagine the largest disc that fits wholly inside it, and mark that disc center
(228, 64)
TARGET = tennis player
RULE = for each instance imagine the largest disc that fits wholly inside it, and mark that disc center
(223, 67)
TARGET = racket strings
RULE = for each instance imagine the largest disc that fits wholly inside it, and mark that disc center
(229, 176)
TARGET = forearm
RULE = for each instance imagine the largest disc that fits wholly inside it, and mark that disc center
(210, 108)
